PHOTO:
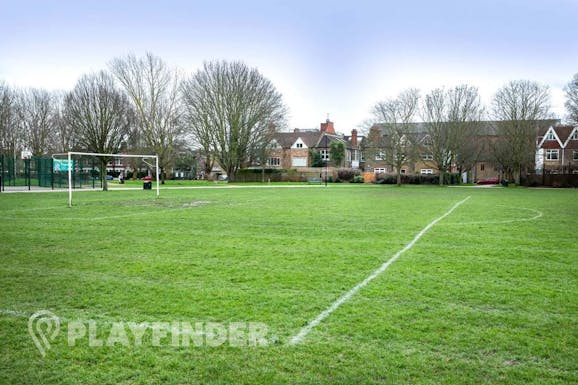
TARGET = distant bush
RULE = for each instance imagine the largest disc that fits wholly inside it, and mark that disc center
(347, 174)
(358, 179)
(416, 179)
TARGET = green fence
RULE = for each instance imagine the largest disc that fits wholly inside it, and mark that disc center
(39, 172)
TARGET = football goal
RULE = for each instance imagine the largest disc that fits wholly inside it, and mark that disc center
(67, 165)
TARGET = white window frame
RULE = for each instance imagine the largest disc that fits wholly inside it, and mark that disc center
(427, 157)
(324, 155)
(550, 136)
(551, 152)
(426, 171)
(575, 155)
(574, 135)
(379, 170)
(274, 161)
(380, 155)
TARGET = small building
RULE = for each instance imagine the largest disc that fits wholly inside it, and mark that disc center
(557, 150)
(304, 148)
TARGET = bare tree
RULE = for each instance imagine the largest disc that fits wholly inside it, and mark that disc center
(399, 145)
(153, 90)
(65, 136)
(100, 114)
(571, 90)
(439, 136)
(38, 116)
(452, 119)
(464, 115)
(9, 135)
(518, 106)
(231, 109)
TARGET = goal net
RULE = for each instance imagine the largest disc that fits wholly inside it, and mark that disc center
(67, 165)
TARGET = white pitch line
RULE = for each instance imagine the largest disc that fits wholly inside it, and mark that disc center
(325, 313)
(538, 214)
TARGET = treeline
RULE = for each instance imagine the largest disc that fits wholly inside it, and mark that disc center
(452, 133)
(140, 105)
(229, 112)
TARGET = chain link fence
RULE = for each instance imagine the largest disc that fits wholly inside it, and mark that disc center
(38, 172)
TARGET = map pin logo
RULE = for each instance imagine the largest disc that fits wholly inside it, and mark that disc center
(43, 327)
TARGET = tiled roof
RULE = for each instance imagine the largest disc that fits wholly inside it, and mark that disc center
(487, 127)
(312, 138)
(563, 132)
(286, 139)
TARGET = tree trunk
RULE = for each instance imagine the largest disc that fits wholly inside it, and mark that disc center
(518, 176)
(399, 177)
(441, 181)
(230, 174)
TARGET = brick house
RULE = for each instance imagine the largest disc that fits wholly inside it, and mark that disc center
(294, 150)
(557, 150)
(417, 134)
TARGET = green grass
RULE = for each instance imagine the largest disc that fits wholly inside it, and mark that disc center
(488, 295)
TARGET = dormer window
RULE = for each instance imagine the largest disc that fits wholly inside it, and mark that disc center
(274, 145)
(574, 135)
(299, 145)
(550, 136)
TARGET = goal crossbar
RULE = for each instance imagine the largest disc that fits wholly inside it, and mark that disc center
(71, 153)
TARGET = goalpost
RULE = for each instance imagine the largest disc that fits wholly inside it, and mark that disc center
(70, 169)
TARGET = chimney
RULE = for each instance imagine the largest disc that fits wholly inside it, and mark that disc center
(296, 130)
(327, 127)
(354, 137)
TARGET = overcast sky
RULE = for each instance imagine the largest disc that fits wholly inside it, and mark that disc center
(325, 57)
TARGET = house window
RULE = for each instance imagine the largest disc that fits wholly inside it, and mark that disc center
(380, 155)
(402, 172)
(379, 170)
(482, 167)
(426, 171)
(274, 161)
(574, 135)
(354, 155)
(575, 155)
(324, 155)
(552, 154)
(299, 145)
(427, 157)
(550, 136)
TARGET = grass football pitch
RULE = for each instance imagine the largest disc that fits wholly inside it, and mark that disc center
(486, 294)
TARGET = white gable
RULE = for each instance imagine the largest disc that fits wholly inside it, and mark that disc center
(549, 134)
(573, 136)
(299, 144)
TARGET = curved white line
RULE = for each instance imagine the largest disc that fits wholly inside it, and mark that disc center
(537, 215)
